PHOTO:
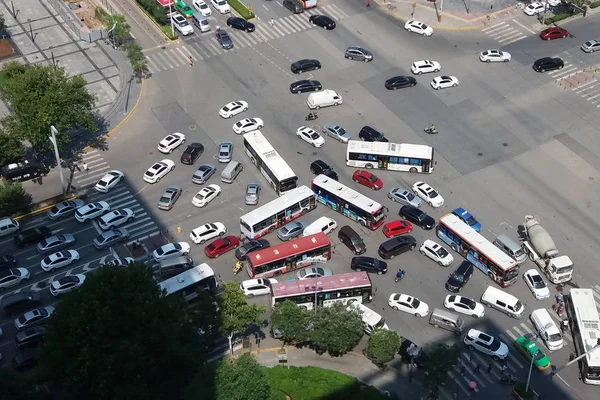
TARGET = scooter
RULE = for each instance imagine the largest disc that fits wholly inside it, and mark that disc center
(237, 267)
(564, 325)
(311, 116)
(399, 275)
(430, 131)
(508, 379)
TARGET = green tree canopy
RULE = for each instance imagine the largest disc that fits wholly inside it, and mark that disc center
(383, 346)
(121, 30)
(119, 338)
(442, 358)
(43, 95)
(11, 148)
(13, 198)
(336, 329)
(17, 386)
(291, 321)
(205, 315)
(136, 57)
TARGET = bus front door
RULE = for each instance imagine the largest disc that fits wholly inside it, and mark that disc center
(383, 162)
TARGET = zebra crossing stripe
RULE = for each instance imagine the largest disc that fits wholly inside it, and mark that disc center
(285, 24)
(304, 24)
(152, 67)
(195, 55)
(264, 32)
(185, 57)
(201, 50)
(277, 29)
(239, 40)
(212, 48)
(336, 12)
(492, 27)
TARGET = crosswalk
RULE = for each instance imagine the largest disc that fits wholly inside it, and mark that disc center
(505, 33)
(207, 47)
(581, 81)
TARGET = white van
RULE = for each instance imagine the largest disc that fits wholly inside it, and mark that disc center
(503, 302)
(8, 226)
(201, 22)
(324, 98)
(547, 328)
(371, 319)
(323, 224)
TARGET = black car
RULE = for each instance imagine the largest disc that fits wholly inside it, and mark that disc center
(409, 351)
(25, 360)
(251, 246)
(417, 217)
(369, 134)
(368, 264)
(224, 39)
(548, 64)
(7, 261)
(305, 85)
(323, 21)
(399, 82)
(31, 236)
(460, 277)
(305, 65)
(396, 246)
(240, 23)
(30, 337)
(319, 167)
(191, 153)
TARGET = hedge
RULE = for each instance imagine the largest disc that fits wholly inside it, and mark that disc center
(241, 9)
(560, 17)
(595, 4)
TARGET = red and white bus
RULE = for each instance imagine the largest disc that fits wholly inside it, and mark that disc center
(278, 212)
(288, 256)
(478, 250)
(352, 287)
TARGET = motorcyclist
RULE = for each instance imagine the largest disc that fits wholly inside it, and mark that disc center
(311, 115)
(399, 275)
(432, 128)
(564, 325)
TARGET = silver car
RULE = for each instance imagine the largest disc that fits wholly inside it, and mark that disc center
(405, 197)
(358, 53)
(34, 317)
(55, 243)
(252, 193)
(109, 238)
(169, 197)
(203, 173)
(64, 208)
(313, 272)
(225, 152)
(337, 132)
(591, 46)
(291, 230)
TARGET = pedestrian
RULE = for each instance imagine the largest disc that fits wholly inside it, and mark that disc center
(478, 368)
(242, 238)
(368, 3)
(489, 368)
(470, 363)
(85, 167)
(272, 22)
(462, 370)
(191, 61)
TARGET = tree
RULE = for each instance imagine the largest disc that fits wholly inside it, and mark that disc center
(119, 338)
(291, 321)
(205, 315)
(236, 313)
(18, 386)
(336, 329)
(43, 95)
(121, 30)
(2, 23)
(442, 358)
(11, 148)
(13, 198)
(383, 346)
(136, 57)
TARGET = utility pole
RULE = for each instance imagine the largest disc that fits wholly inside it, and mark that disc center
(441, 9)
(545, 10)
(556, 371)
(171, 18)
(532, 337)
(52, 138)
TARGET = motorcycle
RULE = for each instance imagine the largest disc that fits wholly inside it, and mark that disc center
(237, 267)
(559, 308)
(430, 131)
(311, 116)
(399, 275)
(508, 379)
(564, 325)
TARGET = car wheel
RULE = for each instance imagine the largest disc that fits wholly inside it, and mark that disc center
(507, 60)
(217, 255)
(395, 88)
(395, 308)
(455, 85)
(347, 57)
(369, 166)
(418, 315)
(495, 358)
(170, 151)
(379, 272)
(412, 247)
(358, 269)
(471, 348)
(420, 73)
(297, 92)
(250, 295)
(474, 315)
(422, 252)
(366, 60)
(548, 39)
(437, 88)
(561, 67)
(414, 84)
(413, 170)
(314, 144)
(373, 188)
(203, 240)
(542, 70)
(319, 67)
(436, 70)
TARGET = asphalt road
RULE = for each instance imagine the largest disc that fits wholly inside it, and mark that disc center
(512, 142)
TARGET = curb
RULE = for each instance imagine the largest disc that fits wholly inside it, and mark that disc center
(42, 209)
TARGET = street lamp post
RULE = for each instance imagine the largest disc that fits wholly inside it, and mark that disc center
(531, 336)
(577, 358)
(545, 9)
(171, 18)
(52, 138)
(316, 289)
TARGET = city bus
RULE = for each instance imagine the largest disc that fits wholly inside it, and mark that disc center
(187, 284)
(348, 202)
(288, 256)
(478, 250)
(391, 156)
(352, 287)
(270, 164)
(278, 212)
(585, 329)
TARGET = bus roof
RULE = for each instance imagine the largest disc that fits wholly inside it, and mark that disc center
(187, 278)
(588, 321)
(287, 199)
(326, 283)
(479, 242)
(344, 192)
(287, 249)
(392, 149)
(269, 155)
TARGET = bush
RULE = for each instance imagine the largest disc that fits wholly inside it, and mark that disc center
(595, 4)
(155, 10)
(166, 29)
(241, 9)
(101, 14)
(519, 390)
(383, 346)
(13, 199)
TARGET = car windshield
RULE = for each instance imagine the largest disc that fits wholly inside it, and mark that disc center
(421, 216)
(424, 26)
(538, 355)
(467, 302)
(442, 252)
(555, 337)
(538, 283)
(373, 178)
(415, 303)
(102, 183)
(457, 277)
(495, 345)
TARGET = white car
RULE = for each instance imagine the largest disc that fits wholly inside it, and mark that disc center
(91, 211)
(182, 25)
(427, 193)
(534, 8)
(418, 27)
(487, 344)
(202, 7)
(171, 142)
(158, 170)
(248, 125)
(436, 252)
(66, 284)
(464, 305)
(425, 67)
(256, 287)
(313, 272)
(206, 195)
(59, 260)
(536, 284)
(120, 262)
(13, 277)
(233, 108)
(408, 304)
(109, 181)
(310, 136)
(207, 231)
(221, 6)
(116, 218)
(443, 82)
(494, 56)
(171, 250)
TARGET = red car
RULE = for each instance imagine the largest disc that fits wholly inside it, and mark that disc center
(367, 179)
(221, 246)
(396, 228)
(554, 33)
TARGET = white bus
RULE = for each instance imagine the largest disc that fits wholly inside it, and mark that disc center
(345, 288)
(270, 164)
(585, 328)
(392, 156)
(189, 282)
(278, 212)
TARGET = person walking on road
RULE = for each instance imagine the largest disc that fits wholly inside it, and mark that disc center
(478, 368)
(191, 61)
(368, 3)
(489, 368)
(462, 370)
(272, 22)
(85, 167)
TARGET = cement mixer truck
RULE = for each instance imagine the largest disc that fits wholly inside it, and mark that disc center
(541, 249)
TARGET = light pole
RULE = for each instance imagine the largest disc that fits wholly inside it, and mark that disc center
(52, 138)
(578, 358)
(316, 289)
(171, 18)
(545, 9)
(533, 337)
